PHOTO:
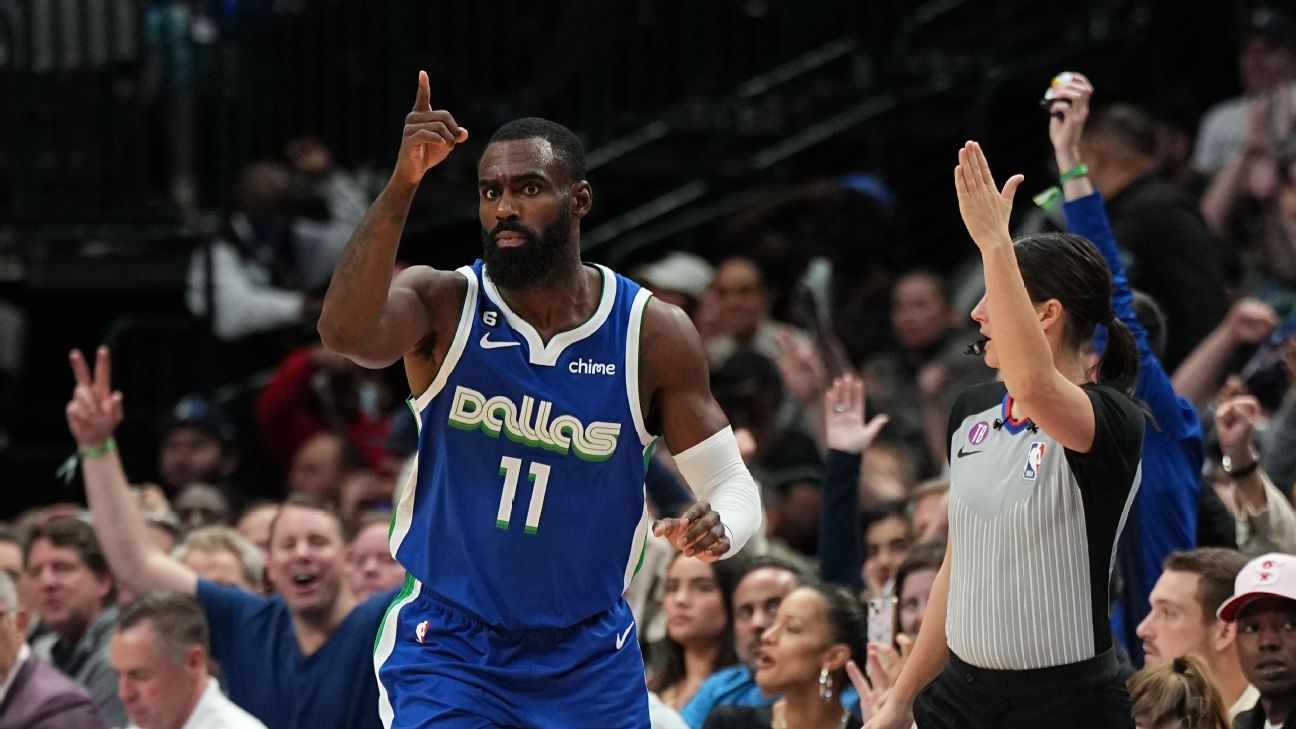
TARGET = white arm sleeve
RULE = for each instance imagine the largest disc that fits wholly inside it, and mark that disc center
(716, 473)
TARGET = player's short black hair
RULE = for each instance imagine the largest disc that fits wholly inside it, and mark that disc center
(563, 140)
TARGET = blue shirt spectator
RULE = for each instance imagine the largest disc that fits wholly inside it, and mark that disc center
(732, 685)
(266, 674)
(1164, 517)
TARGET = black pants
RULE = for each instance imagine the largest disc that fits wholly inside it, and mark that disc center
(1085, 695)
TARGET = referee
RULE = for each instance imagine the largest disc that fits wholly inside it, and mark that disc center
(1043, 469)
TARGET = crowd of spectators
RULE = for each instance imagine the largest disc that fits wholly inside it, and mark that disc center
(207, 595)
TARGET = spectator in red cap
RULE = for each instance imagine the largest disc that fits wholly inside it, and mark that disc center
(1264, 607)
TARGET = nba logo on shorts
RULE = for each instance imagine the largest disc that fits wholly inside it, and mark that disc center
(421, 630)
(1033, 460)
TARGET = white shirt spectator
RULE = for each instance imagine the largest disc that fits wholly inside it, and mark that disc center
(246, 301)
(214, 711)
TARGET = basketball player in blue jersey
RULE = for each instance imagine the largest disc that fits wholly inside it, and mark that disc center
(541, 384)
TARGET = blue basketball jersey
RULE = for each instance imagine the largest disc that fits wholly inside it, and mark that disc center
(527, 507)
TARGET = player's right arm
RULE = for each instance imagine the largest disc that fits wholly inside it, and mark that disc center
(368, 316)
(93, 415)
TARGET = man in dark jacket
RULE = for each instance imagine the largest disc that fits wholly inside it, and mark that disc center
(34, 694)
(1264, 607)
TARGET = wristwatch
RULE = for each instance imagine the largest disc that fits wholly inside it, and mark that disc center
(1236, 471)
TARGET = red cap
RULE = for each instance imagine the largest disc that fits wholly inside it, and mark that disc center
(1269, 574)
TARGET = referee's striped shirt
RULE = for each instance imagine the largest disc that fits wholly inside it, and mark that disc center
(1034, 528)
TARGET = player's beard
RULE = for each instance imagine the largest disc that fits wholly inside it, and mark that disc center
(531, 263)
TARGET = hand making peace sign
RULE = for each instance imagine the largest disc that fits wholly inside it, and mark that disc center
(95, 409)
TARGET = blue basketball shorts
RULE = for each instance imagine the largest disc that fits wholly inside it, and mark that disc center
(439, 666)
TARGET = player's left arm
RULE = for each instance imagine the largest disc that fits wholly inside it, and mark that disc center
(678, 394)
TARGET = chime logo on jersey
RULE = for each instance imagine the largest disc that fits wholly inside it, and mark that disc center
(533, 423)
(1034, 458)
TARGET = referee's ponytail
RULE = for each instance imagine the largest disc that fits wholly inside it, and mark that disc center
(1120, 361)
(1070, 269)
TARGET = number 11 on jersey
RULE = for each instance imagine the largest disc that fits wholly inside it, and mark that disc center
(538, 474)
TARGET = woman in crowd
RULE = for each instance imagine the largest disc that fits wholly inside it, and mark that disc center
(1043, 467)
(698, 604)
(1177, 695)
(888, 535)
(803, 659)
(913, 585)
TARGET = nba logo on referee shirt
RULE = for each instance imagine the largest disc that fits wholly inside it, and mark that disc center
(1033, 460)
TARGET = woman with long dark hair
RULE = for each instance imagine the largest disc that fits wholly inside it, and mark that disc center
(1043, 469)
(698, 604)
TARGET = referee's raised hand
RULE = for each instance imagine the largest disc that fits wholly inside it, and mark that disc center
(984, 207)
(428, 137)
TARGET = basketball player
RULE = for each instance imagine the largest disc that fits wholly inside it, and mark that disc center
(541, 384)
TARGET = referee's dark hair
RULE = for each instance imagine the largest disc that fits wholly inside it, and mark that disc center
(1070, 269)
(563, 140)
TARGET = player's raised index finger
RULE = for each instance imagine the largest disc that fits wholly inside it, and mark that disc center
(80, 372)
(423, 99)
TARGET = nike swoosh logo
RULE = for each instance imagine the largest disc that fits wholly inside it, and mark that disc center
(621, 638)
(486, 343)
(962, 453)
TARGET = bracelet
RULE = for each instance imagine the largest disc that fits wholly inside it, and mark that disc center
(95, 451)
(1243, 471)
(1080, 170)
(1236, 472)
(1049, 198)
(67, 470)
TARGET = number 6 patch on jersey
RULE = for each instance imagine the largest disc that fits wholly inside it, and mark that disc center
(1034, 458)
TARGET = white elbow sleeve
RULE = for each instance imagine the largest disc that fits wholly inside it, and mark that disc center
(715, 471)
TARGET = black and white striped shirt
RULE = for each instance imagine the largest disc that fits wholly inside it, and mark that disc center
(1034, 528)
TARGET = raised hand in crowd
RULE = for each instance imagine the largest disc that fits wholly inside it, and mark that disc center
(874, 692)
(890, 658)
(1248, 322)
(309, 156)
(95, 410)
(845, 427)
(805, 374)
(1070, 93)
(1235, 425)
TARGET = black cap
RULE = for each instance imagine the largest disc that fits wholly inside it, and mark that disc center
(1272, 25)
(199, 412)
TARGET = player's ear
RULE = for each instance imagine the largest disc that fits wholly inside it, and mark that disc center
(582, 196)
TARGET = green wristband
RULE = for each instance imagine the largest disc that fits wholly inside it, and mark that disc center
(1079, 170)
(1050, 197)
(95, 451)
